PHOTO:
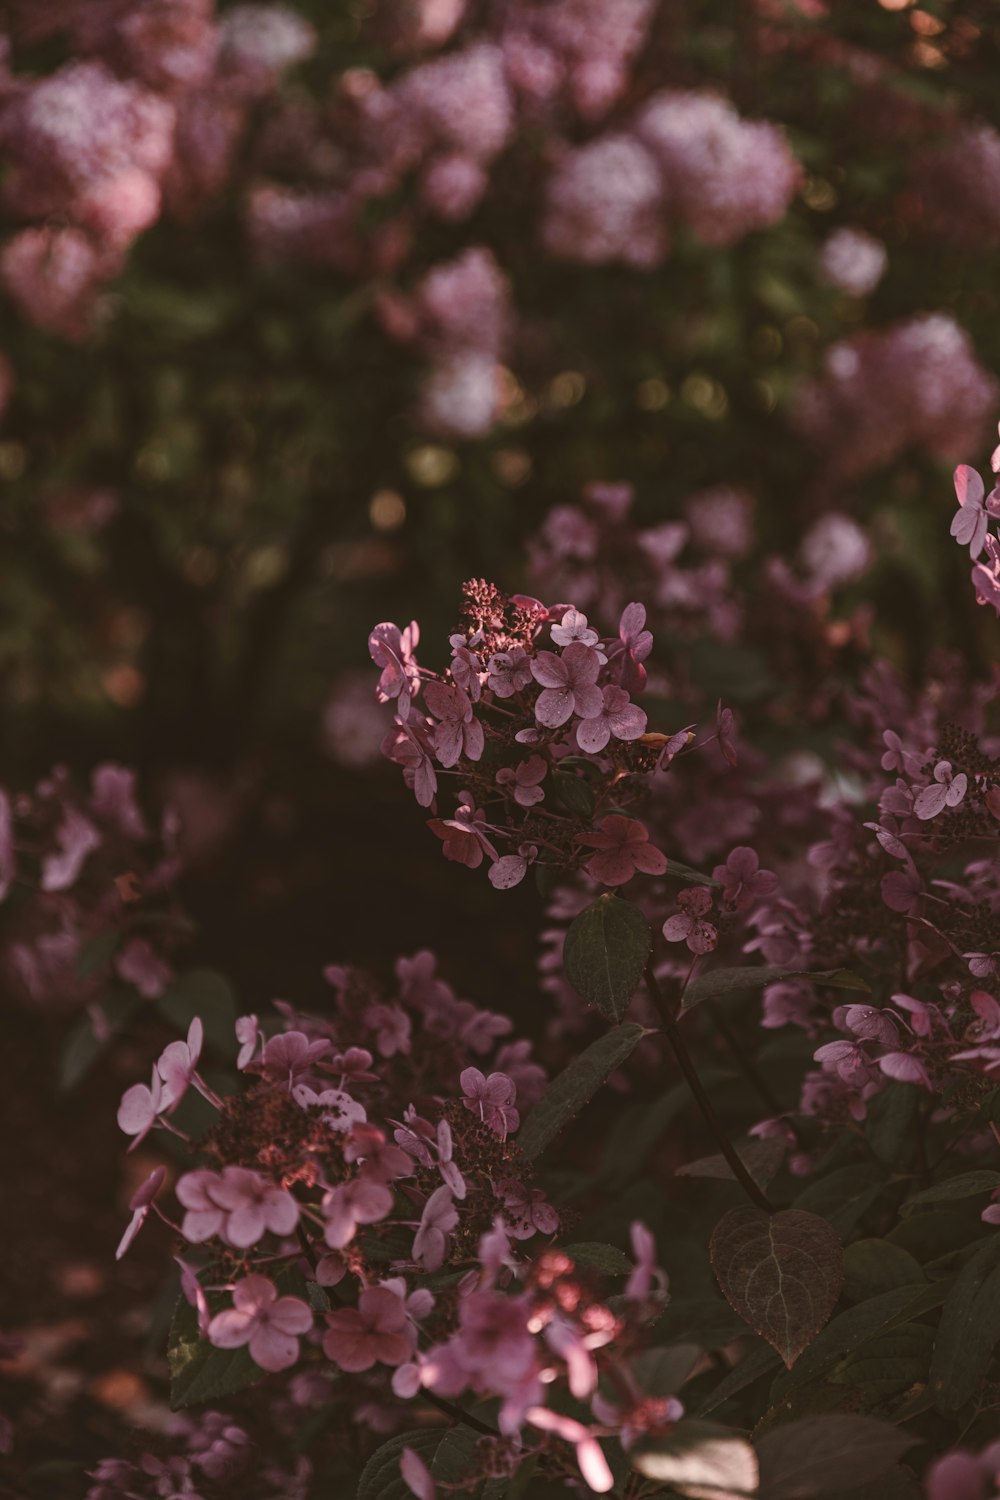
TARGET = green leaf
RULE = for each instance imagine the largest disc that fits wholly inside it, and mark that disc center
(83, 1046)
(966, 1185)
(858, 1326)
(198, 1371)
(569, 1091)
(843, 1197)
(759, 1362)
(455, 1459)
(969, 1330)
(97, 954)
(873, 1266)
(204, 993)
(381, 1479)
(662, 1371)
(891, 1363)
(605, 954)
(762, 1160)
(719, 982)
(677, 871)
(820, 1455)
(891, 1124)
(780, 1272)
(572, 793)
(596, 1257)
(701, 1461)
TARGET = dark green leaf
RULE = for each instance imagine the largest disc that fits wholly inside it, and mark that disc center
(569, 1091)
(83, 1046)
(843, 1197)
(662, 1371)
(596, 1257)
(966, 1185)
(762, 1160)
(677, 871)
(969, 1330)
(719, 982)
(891, 1124)
(891, 1363)
(759, 1362)
(781, 1272)
(198, 1371)
(204, 993)
(572, 793)
(820, 1455)
(606, 951)
(874, 1266)
(857, 1327)
(381, 1479)
(700, 1460)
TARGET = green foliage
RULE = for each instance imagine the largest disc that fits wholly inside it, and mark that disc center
(607, 947)
(568, 1093)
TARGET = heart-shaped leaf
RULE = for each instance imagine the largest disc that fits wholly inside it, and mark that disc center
(569, 1091)
(606, 951)
(719, 982)
(782, 1273)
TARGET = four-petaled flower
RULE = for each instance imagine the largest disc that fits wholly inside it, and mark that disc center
(573, 627)
(970, 522)
(509, 672)
(392, 649)
(362, 1200)
(568, 685)
(525, 779)
(617, 716)
(946, 790)
(464, 836)
(492, 1099)
(633, 645)
(689, 925)
(459, 731)
(436, 1222)
(623, 848)
(743, 881)
(377, 1331)
(270, 1324)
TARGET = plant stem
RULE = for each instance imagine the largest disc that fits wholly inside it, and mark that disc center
(466, 1418)
(715, 1125)
(745, 1064)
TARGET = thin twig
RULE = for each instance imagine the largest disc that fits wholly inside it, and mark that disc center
(460, 1415)
(745, 1063)
(715, 1125)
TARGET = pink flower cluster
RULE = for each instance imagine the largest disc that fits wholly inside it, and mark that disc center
(971, 526)
(94, 891)
(539, 737)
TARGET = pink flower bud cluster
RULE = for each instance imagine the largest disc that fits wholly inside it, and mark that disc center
(86, 892)
(535, 717)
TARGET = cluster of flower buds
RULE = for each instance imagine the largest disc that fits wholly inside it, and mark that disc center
(86, 891)
(535, 719)
(363, 1208)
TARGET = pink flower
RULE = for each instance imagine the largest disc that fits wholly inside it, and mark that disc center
(971, 521)
(743, 881)
(904, 1068)
(589, 1453)
(527, 1212)
(459, 732)
(947, 790)
(568, 684)
(573, 627)
(493, 1342)
(252, 1206)
(416, 1475)
(270, 1324)
(248, 1035)
(491, 1098)
(617, 717)
(140, 1203)
(436, 1222)
(409, 746)
(464, 836)
(139, 964)
(688, 926)
(392, 1029)
(289, 1057)
(377, 1331)
(623, 848)
(725, 725)
(77, 837)
(465, 669)
(509, 672)
(646, 1274)
(870, 1024)
(897, 757)
(392, 650)
(631, 649)
(362, 1200)
(902, 890)
(986, 576)
(204, 1217)
(140, 1107)
(525, 779)
(848, 1061)
(511, 869)
(340, 1111)
(178, 1062)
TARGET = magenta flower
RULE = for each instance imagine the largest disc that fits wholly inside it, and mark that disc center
(870, 1024)
(140, 1203)
(526, 780)
(986, 576)
(573, 627)
(568, 684)
(289, 1057)
(392, 649)
(362, 1200)
(491, 1099)
(459, 731)
(904, 1068)
(631, 649)
(436, 1222)
(743, 881)
(141, 1106)
(252, 1206)
(493, 1339)
(465, 669)
(902, 890)
(623, 848)
(509, 672)
(897, 757)
(617, 717)
(392, 1029)
(377, 1331)
(946, 790)
(270, 1324)
(688, 925)
(204, 1217)
(464, 836)
(971, 521)
(248, 1035)
(416, 1475)
(77, 837)
(511, 869)
(848, 1061)
(645, 1274)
